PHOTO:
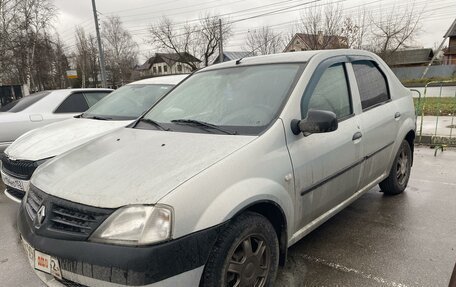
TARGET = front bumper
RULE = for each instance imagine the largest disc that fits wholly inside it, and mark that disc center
(123, 265)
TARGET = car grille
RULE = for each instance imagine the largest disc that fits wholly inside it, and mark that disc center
(69, 283)
(22, 169)
(64, 219)
(34, 202)
(16, 193)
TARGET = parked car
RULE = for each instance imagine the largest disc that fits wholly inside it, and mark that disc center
(214, 183)
(119, 109)
(43, 108)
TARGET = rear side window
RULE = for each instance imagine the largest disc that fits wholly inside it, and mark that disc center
(331, 93)
(93, 97)
(75, 103)
(25, 102)
(372, 84)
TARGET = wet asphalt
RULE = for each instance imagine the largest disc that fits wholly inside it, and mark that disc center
(400, 241)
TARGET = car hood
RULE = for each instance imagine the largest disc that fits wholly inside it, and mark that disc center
(6, 117)
(133, 166)
(57, 138)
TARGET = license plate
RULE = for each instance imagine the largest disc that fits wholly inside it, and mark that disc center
(42, 261)
(15, 183)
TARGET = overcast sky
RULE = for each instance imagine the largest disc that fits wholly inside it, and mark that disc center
(138, 15)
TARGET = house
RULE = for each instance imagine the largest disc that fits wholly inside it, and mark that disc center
(168, 64)
(409, 57)
(231, 55)
(304, 42)
(449, 56)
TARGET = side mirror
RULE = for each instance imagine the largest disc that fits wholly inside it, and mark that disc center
(317, 121)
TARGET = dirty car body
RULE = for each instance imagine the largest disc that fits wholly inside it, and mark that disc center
(216, 192)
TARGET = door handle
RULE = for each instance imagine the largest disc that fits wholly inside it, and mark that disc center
(397, 115)
(357, 136)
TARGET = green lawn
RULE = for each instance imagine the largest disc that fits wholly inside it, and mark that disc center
(432, 105)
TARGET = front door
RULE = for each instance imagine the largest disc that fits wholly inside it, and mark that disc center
(326, 165)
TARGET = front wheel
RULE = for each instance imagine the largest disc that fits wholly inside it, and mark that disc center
(245, 254)
(399, 174)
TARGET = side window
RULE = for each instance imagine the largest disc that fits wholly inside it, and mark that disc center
(93, 97)
(372, 84)
(75, 103)
(331, 93)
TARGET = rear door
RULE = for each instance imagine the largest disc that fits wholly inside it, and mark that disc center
(326, 165)
(379, 118)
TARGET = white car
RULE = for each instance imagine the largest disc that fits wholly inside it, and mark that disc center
(43, 108)
(118, 109)
(212, 185)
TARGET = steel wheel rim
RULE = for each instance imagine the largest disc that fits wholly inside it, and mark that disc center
(402, 167)
(249, 263)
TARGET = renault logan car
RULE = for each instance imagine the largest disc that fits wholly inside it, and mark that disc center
(214, 183)
(117, 110)
(43, 108)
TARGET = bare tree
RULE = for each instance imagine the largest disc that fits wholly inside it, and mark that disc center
(322, 27)
(34, 17)
(395, 29)
(120, 49)
(201, 40)
(264, 41)
(82, 55)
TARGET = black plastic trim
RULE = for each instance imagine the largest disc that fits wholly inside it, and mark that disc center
(14, 192)
(128, 265)
(342, 171)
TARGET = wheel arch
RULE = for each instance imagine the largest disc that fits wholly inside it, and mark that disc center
(410, 138)
(276, 216)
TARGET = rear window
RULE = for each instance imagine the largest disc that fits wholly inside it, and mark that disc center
(372, 84)
(25, 102)
(74, 103)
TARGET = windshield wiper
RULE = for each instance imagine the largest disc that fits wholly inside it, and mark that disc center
(96, 118)
(203, 124)
(154, 123)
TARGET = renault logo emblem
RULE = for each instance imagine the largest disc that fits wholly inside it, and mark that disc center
(40, 215)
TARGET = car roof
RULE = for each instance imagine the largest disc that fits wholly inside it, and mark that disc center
(289, 57)
(81, 90)
(165, 80)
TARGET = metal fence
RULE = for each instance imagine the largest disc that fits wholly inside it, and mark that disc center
(436, 123)
(437, 71)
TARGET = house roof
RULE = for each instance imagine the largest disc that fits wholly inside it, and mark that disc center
(168, 58)
(232, 55)
(410, 57)
(334, 41)
(451, 31)
(172, 58)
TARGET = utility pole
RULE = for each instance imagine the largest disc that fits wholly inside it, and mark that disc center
(100, 48)
(221, 42)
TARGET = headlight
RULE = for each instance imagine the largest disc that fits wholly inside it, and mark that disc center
(136, 225)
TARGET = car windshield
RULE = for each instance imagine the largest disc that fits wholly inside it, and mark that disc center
(25, 102)
(240, 100)
(128, 102)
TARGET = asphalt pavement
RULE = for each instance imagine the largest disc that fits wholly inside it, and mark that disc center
(400, 241)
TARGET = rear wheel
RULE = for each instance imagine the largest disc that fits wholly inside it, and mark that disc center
(399, 174)
(246, 254)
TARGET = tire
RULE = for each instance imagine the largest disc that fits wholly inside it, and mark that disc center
(399, 174)
(235, 257)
